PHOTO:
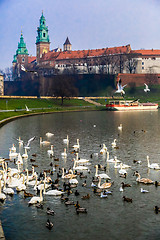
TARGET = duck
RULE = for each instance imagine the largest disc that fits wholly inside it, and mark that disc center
(156, 209)
(66, 140)
(49, 211)
(120, 127)
(157, 183)
(102, 175)
(127, 199)
(69, 202)
(86, 197)
(104, 185)
(126, 185)
(84, 184)
(49, 224)
(50, 151)
(76, 193)
(2, 195)
(81, 210)
(36, 199)
(103, 195)
(154, 166)
(27, 194)
(144, 191)
(64, 154)
(104, 149)
(25, 155)
(142, 180)
(44, 142)
(48, 134)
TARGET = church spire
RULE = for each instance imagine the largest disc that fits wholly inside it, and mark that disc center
(42, 41)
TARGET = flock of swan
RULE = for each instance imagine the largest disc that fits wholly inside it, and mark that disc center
(61, 182)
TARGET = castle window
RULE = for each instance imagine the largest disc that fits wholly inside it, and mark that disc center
(142, 68)
(22, 59)
(43, 22)
(44, 34)
(142, 63)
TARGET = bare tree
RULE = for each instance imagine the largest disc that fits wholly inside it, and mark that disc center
(131, 63)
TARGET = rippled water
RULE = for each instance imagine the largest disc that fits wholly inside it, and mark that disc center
(110, 218)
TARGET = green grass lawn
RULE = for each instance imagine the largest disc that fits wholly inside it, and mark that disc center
(12, 104)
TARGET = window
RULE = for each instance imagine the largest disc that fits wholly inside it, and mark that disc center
(22, 59)
(44, 35)
(142, 63)
(142, 68)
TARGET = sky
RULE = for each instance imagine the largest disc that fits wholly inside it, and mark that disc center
(89, 24)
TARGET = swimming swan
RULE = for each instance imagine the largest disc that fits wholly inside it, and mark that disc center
(153, 165)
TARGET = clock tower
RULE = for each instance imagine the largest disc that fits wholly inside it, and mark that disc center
(42, 41)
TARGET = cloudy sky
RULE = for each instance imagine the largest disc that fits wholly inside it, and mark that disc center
(89, 24)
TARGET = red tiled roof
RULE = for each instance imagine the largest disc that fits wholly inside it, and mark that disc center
(84, 53)
(147, 52)
(31, 59)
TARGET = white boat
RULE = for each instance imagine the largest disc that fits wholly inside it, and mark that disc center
(130, 105)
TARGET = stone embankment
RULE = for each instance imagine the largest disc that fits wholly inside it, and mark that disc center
(91, 101)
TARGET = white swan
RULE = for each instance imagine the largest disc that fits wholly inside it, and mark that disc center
(25, 155)
(12, 154)
(53, 192)
(104, 185)
(112, 160)
(7, 190)
(20, 160)
(102, 175)
(73, 181)
(69, 175)
(13, 148)
(76, 146)
(44, 185)
(81, 160)
(50, 151)
(36, 199)
(114, 143)
(13, 181)
(66, 140)
(44, 142)
(64, 154)
(120, 127)
(2, 195)
(122, 171)
(48, 134)
(153, 165)
(79, 167)
(21, 186)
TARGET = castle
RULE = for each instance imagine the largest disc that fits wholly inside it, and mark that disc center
(113, 60)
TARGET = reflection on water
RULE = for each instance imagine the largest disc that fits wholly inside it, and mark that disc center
(108, 218)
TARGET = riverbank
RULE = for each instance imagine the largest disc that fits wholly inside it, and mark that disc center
(1, 232)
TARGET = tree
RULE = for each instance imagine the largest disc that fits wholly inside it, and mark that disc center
(131, 63)
(64, 86)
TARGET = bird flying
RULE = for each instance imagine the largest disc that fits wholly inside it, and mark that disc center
(120, 88)
(29, 141)
(146, 88)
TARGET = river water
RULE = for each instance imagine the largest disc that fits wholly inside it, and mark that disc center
(107, 218)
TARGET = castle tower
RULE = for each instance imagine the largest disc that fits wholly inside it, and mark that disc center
(21, 56)
(67, 46)
(42, 41)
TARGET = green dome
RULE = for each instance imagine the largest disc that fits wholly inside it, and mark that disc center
(42, 31)
(22, 47)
